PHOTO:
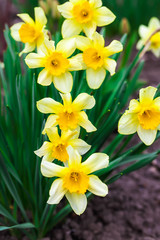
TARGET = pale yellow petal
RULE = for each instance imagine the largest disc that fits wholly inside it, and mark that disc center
(74, 156)
(89, 28)
(49, 105)
(70, 28)
(67, 46)
(147, 94)
(110, 65)
(114, 47)
(156, 103)
(40, 17)
(52, 134)
(81, 146)
(45, 78)
(75, 64)
(83, 101)
(143, 32)
(64, 82)
(96, 3)
(128, 123)
(15, 31)
(154, 23)
(85, 123)
(147, 136)
(51, 122)
(67, 98)
(134, 106)
(98, 39)
(26, 18)
(29, 47)
(47, 47)
(140, 44)
(83, 43)
(56, 192)
(66, 9)
(77, 201)
(49, 169)
(96, 162)
(103, 16)
(97, 187)
(95, 77)
(156, 52)
(44, 149)
(33, 60)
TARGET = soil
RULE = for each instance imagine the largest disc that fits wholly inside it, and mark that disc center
(131, 211)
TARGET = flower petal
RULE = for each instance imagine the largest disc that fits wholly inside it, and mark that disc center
(75, 64)
(29, 47)
(81, 146)
(96, 162)
(77, 201)
(49, 105)
(70, 28)
(89, 29)
(40, 17)
(134, 106)
(15, 31)
(96, 3)
(67, 98)
(49, 169)
(26, 18)
(85, 123)
(95, 77)
(146, 136)
(156, 52)
(84, 101)
(110, 65)
(45, 78)
(114, 47)
(44, 149)
(83, 43)
(48, 157)
(47, 47)
(56, 192)
(154, 23)
(70, 134)
(156, 103)
(52, 134)
(67, 46)
(104, 16)
(64, 82)
(143, 31)
(33, 60)
(66, 9)
(147, 94)
(97, 187)
(98, 39)
(128, 123)
(74, 156)
(140, 44)
(51, 122)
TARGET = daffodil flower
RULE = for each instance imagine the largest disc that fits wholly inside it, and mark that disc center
(31, 33)
(145, 32)
(57, 147)
(142, 117)
(56, 63)
(75, 179)
(84, 15)
(96, 58)
(68, 115)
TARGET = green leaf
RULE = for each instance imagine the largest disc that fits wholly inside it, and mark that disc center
(18, 226)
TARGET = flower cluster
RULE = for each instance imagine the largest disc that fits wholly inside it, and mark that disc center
(73, 176)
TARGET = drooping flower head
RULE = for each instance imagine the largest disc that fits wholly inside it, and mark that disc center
(75, 179)
(56, 63)
(96, 58)
(84, 15)
(142, 117)
(57, 147)
(145, 32)
(30, 32)
(68, 115)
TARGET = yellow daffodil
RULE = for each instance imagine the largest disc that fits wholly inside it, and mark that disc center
(145, 32)
(75, 179)
(96, 58)
(68, 115)
(84, 15)
(56, 64)
(142, 117)
(57, 147)
(30, 32)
